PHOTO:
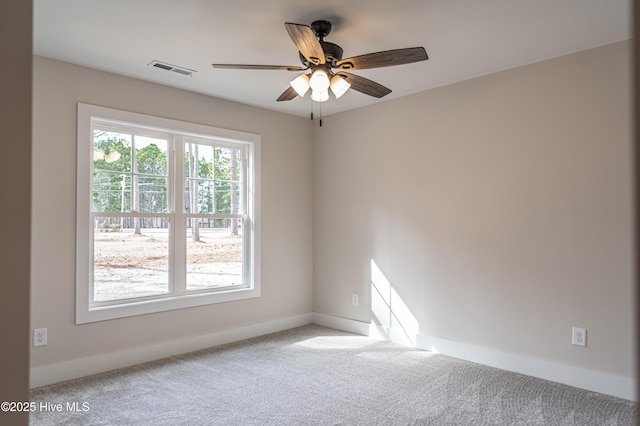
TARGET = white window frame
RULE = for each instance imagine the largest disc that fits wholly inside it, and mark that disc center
(86, 311)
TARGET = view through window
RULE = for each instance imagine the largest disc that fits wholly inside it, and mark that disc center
(169, 214)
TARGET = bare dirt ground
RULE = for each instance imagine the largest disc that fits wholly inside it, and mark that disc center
(128, 265)
(124, 249)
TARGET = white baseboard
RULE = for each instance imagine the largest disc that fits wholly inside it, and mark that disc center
(344, 324)
(69, 370)
(620, 387)
(595, 381)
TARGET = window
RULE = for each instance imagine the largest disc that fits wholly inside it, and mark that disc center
(167, 214)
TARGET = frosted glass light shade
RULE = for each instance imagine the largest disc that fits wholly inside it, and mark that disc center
(109, 158)
(339, 86)
(300, 84)
(320, 95)
(319, 81)
(112, 156)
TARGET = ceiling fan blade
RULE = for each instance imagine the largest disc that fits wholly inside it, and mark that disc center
(386, 58)
(305, 40)
(364, 85)
(258, 67)
(288, 95)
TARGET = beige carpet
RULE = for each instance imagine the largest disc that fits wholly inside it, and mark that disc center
(318, 376)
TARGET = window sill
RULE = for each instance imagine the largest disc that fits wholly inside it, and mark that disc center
(123, 310)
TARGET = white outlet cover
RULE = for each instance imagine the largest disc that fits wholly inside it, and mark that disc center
(39, 337)
(579, 336)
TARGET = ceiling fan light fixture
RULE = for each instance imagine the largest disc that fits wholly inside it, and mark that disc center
(339, 86)
(319, 95)
(300, 84)
(112, 157)
(98, 155)
(319, 80)
(109, 158)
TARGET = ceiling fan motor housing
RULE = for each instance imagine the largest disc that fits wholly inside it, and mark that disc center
(332, 54)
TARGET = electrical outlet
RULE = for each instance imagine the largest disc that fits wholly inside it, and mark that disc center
(579, 336)
(354, 299)
(39, 337)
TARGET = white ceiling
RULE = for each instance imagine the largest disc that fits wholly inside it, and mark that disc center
(464, 39)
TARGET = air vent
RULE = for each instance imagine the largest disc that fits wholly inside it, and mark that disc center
(173, 68)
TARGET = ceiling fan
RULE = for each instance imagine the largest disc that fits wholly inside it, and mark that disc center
(327, 68)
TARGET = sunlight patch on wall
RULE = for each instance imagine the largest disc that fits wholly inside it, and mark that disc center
(391, 315)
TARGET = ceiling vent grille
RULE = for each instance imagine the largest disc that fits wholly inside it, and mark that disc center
(172, 68)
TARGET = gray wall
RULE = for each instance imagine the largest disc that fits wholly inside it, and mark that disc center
(499, 210)
(15, 207)
(286, 247)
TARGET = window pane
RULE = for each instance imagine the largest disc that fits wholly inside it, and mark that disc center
(111, 151)
(198, 166)
(228, 173)
(198, 161)
(227, 164)
(199, 194)
(214, 258)
(206, 196)
(153, 195)
(130, 258)
(227, 197)
(151, 156)
(111, 192)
